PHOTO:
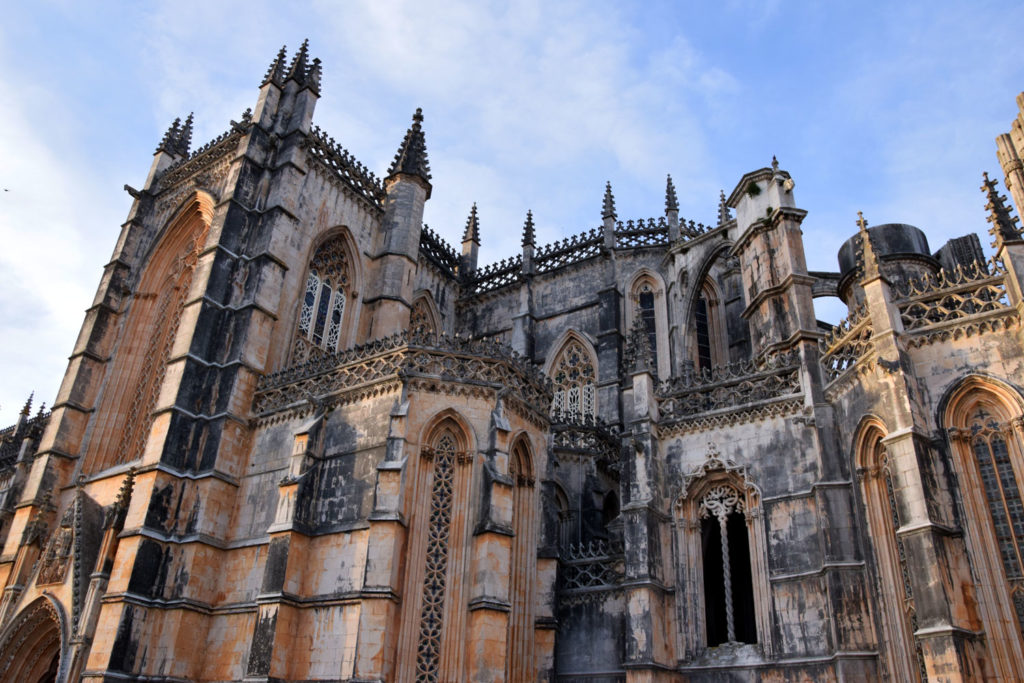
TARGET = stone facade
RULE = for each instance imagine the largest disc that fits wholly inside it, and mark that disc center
(301, 438)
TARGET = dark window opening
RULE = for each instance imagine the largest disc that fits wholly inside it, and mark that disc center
(703, 335)
(740, 580)
(647, 314)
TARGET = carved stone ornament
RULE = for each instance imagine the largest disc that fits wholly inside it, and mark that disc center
(714, 462)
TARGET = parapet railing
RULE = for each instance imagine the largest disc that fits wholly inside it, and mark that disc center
(846, 343)
(953, 295)
(438, 252)
(402, 356)
(730, 386)
(345, 167)
(597, 564)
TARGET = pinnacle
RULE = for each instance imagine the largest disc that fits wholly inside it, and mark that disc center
(868, 258)
(28, 405)
(177, 139)
(608, 206)
(472, 231)
(1004, 224)
(411, 158)
(671, 203)
(723, 209)
(775, 164)
(529, 236)
(297, 70)
(275, 74)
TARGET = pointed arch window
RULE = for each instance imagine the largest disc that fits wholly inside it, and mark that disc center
(324, 303)
(574, 376)
(647, 300)
(709, 339)
(722, 563)
(903, 655)
(421, 318)
(522, 593)
(986, 430)
(728, 589)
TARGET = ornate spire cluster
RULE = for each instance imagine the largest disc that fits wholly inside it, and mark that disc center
(411, 158)
(869, 261)
(671, 203)
(301, 70)
(178, 138)
(472, 231)
(28, 405)
(1004, 224)
(529, 235)
(723, 209)
(608, 206)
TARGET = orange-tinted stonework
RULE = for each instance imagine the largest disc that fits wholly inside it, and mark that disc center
(301, 438)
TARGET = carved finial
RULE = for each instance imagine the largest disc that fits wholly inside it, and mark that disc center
(671, 203)
(868, 259)
(723, 209)
(313, 76)
(177, 139)
(608, 206)
(275, 74)
(639, 354)
(28, 405)
(185, 137)
(298, 68)
(42, 409)
(115, 514)
(472, 231)
(775, 164)
(1004, 224)
(529, 237)
(411, 158)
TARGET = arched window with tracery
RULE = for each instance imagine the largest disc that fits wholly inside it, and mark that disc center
(728, 589)
(438, 553)
(325, 300)
(708, 336)
(422, 320)
(647, 300)
(723, 577)
(574, 377)
(903, 656)
(986, 429)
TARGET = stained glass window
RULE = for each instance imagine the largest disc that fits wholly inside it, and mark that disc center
(323, 305)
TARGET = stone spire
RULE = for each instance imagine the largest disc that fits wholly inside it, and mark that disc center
(299, 66)
(177, 139)
(472, 231)
(671, 203)
(276, 72)
(723, 209)
(27, 409)
(411, 158)
(608, 206)
(529, 235)
(869, 261)
(1004, 224)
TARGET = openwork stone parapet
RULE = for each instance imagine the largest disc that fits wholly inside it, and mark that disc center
(730, 386)
(846, 343)
(584, 435)
(341, 165)
(203, 157)
(403, 357)
(953, 295)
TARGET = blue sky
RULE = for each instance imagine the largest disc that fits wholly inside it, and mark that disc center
(532, 105)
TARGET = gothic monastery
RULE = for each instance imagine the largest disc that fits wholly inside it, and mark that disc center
(301, 438)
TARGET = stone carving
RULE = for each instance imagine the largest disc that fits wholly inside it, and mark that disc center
(846, 343)
(591, 565)
(438, 252)
(730, 386)
(434, 580)
(964, 292)
(341, 166)
(53, 565)
(398, 356)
